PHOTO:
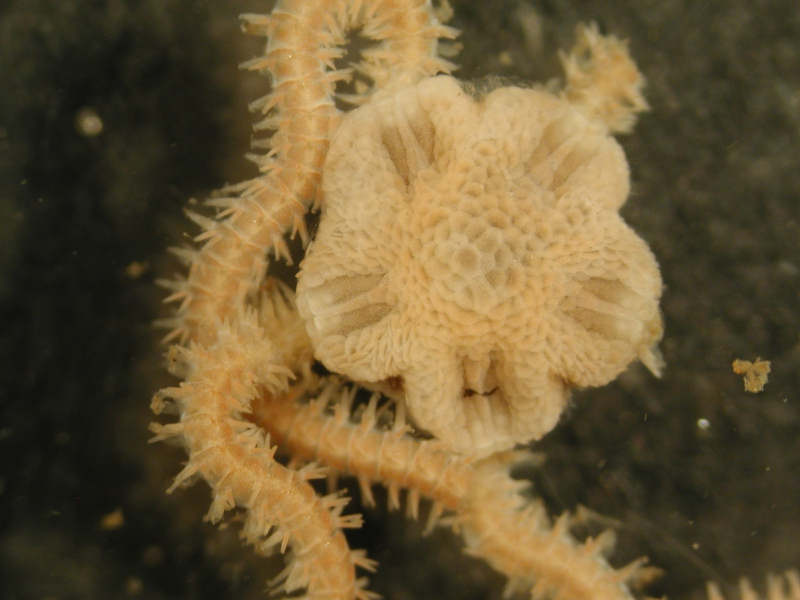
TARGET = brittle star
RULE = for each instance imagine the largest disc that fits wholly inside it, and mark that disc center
(470, 265)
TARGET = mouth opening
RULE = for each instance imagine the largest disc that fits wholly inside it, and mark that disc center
(469, 392)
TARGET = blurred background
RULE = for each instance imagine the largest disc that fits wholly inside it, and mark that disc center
(114, 113)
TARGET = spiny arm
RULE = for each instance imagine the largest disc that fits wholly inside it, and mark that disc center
(237, 461)
(304, 40)
(512, 534)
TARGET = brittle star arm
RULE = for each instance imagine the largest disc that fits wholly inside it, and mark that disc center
(512, 534)
(235, 458)
(225, 356)
(304, 39)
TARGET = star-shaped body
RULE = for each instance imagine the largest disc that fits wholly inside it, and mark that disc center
(471, 260)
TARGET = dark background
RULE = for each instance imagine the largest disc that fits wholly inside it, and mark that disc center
(715, 192)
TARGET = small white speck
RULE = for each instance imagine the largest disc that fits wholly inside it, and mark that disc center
(88, 122)
(703, 424)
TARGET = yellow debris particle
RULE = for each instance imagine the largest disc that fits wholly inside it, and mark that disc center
(136, 269)
(133, 586)
(88, 123)
(113, 520)
(755, 373)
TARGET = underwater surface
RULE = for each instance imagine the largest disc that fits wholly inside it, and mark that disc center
(115, 113)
